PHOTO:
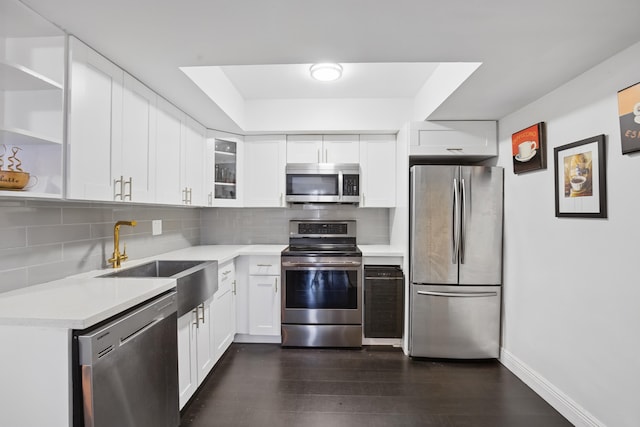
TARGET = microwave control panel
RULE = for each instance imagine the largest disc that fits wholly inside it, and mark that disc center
(350, 185)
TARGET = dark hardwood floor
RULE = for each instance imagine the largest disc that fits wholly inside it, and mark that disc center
(266, 385)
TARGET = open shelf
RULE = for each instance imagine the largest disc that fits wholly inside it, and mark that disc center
(32, 89)
(29, 194)
(15, 136)
(18, 77)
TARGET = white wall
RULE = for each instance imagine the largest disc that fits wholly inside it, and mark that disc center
(571, 285)
(317, 115)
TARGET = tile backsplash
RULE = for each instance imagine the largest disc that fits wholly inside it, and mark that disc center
(46, 240)
(271, 225)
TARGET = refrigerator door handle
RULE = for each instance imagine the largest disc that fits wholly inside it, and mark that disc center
(463, 220)
(454, 231)
(458, 294)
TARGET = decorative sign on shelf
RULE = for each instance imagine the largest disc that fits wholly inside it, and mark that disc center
(13, 178)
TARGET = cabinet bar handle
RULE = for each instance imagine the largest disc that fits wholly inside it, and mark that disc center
(195, 321)
(115, 183)
(265, 265)
(202, 307)
(276, 285)
(130, 184)
(234, 287)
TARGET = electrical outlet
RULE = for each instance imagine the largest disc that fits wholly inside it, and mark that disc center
(156, 227)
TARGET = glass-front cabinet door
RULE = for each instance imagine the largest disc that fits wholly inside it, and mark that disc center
(225, 173)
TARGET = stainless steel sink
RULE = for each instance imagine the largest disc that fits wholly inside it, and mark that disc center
(196, 280)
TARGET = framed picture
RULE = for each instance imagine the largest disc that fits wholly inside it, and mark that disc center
(580, 179)
(629, 112)
(529, 149)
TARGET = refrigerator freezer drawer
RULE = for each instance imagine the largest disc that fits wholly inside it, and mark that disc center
(458, 322)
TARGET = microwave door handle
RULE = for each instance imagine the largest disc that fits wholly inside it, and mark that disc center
(340, 185)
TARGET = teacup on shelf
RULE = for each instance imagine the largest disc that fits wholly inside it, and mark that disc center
(14, 180)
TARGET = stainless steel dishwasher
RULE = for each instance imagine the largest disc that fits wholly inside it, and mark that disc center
(129, 368)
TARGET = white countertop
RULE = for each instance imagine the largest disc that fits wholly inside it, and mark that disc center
(82, 300)
(381, 250)
(221, 253)
(77, 303)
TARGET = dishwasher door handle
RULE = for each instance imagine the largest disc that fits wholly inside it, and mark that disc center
(142, 330)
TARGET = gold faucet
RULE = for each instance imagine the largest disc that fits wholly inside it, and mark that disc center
(118, 257)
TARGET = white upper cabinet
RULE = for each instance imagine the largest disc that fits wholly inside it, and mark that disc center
(171, 128)
(264, 166)
(224, 168)
(94, 124)
(32, 65)
(473, 140)
(304, 149)
(112, 131)
(377, 171)
(341, 148)
(125, 142)
(323, 149)
(193, 164)
(136, 159)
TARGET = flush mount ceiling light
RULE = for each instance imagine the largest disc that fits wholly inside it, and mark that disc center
(326, 72)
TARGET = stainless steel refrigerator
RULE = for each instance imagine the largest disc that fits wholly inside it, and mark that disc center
(455, 261)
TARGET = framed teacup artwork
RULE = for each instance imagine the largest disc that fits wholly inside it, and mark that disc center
(580, 179)
(528, 148)
(629, 112)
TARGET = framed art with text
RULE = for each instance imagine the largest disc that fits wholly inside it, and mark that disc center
(629, 112)
(529, 149)
(580, 179)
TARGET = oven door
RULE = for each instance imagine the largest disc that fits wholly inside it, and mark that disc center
(322, 290)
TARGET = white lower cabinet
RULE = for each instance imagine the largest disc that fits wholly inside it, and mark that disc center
(195, 350)
(224, 309)
(264, 295)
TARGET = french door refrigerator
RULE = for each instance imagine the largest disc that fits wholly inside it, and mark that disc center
(455, 261)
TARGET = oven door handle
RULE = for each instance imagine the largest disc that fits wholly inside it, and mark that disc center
(322, 264)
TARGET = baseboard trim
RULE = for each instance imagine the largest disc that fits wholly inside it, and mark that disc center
(575, 413)
(257, 339)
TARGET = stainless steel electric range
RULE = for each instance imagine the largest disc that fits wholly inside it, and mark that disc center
(322, 285)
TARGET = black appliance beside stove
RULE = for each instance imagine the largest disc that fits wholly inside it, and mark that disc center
(322, 285)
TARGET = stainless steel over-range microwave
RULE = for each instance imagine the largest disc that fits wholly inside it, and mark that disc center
(323, 183)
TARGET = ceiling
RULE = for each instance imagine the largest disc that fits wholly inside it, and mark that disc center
(526, 48)
(362, 80)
